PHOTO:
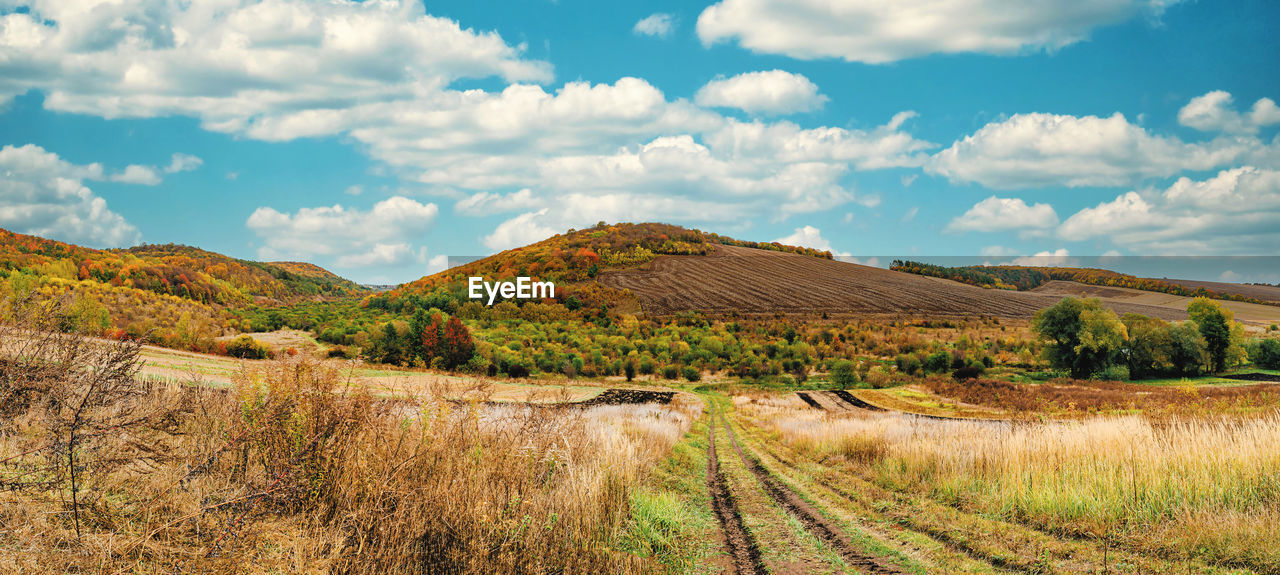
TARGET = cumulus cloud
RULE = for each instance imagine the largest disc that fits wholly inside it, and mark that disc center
(769, 92)
(381, 75)
(877, 32)
(183, 163)
(660, 25)
(1212, 112)
(485, 203)
(1039, 150)
(383, 255)
(151, 175)
(382, 236)
(1056, 258)
(44, 195)
(136, 174)
(519, 231)
(1002, 214)
(810, 237)
(437, 264)
(996, 251)
(231, 65)
(580, 210)
(1235, 212)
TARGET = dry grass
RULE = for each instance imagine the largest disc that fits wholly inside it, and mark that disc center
(1074, 398)
(1204, 487)
(294, 471)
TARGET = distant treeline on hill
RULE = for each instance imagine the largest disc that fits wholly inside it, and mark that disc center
(1023, 278)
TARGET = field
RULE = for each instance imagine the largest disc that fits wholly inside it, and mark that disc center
(746, 281)
(172, 366)
(302, 465)
(1251, 313)
(1260, 292)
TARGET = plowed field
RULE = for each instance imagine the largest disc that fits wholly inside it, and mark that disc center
(758, 282)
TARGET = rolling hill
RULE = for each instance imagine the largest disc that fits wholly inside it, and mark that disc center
(744, 281)
(178, 296)
(183, 271)
(662, 270)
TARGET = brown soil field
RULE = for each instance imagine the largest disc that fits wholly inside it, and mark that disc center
(1253, 313)
(746, 281)
(1259, 292)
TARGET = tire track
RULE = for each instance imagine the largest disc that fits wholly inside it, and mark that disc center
(742, 545)
(812, 520)
(809, 400)
(853, 400)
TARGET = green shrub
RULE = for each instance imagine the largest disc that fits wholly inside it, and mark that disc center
(844, 373)
(1265, 353)
(246, 347)
(691, 373)
(1114, 373)
(908, 364)
(670, 372)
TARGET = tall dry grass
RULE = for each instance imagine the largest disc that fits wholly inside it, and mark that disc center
(1203, 487)
(295, 470)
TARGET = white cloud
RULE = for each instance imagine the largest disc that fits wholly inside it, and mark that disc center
(44, 195)
(354, 190)
(381, 75)
(870, 262)
(997, 251)
(1234, 212)
(231, 64)
(140, 175)
(1212, 112)
(659, 25)
(810, 237)
(183, 163)
(383, 255)
(485, 203)
(519, 231)
(1038, 150)
(385, 235)
(876, 32)
(869, 200)
(769, 92)
(910, 214)
(1057, 258)
(151, 175)
(580, 210)
(1002, 214)
(437, 264)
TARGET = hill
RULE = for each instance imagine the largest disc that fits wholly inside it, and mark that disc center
(574, 260)
(1023, 278)
(744, 281)
(662, 270)
(1260, 292)
(1246, 312)
(183, 271)
(179, 296)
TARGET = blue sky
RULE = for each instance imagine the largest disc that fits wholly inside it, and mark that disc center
(377, 138)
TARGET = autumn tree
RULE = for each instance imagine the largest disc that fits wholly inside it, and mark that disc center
(1221, 333)
(1081, 336)
(459, 347)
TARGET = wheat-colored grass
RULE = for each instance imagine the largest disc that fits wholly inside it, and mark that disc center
(1206, 487)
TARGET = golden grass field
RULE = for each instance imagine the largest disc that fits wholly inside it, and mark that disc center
(118, 458)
